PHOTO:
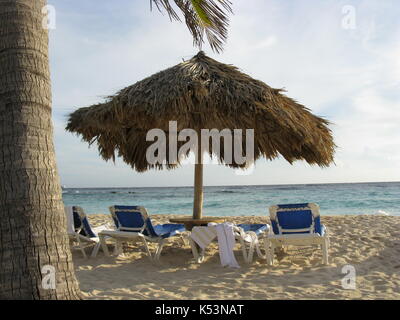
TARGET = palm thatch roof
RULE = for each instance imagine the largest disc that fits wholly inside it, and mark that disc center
(202, 93)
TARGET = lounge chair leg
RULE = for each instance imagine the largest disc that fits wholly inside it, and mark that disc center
(118, 249)
(250, 253)
(269, 253)
(194, 249)
(96, 250)
(158, 251)
(259, 253)
(147, 249)
(244, 250)
(184, 240)
(199, 258)
(268, 256)
(84, 253)
(272, 250)
(325, 253)
(104, 245)
(81, 248)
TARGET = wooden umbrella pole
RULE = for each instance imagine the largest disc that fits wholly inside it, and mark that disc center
(198, 187)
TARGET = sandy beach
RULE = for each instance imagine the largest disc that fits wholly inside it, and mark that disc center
(370, 243)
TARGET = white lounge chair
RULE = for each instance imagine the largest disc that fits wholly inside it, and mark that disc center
(247, 235)
(134, 224)
(298, 225)
(80, 231)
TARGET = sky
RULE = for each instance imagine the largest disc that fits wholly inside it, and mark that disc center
(339, 58)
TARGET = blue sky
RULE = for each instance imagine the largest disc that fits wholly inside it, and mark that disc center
(350, 76)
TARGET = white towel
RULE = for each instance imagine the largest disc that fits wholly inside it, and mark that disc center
(203, 236)
(70, 219)
(226, 243)
(225, 232)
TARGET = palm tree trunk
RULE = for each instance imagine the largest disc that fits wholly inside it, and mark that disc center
(32, 221)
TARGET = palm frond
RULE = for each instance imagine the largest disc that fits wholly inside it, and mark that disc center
(202, 17)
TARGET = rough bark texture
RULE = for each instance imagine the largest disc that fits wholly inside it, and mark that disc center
(32, 221)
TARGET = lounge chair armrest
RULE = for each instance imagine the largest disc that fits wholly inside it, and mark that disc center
(324, 230)
(268, 232)
(107, 226)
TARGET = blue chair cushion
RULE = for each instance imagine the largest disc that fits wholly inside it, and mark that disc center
(82, 224)
(129, 219)
(122, 208)
(318, 227)
(88, 230)
(296, 219)
(77, 220)
(134, 219)
(274, 226)
(126, 218)
(257, 228)
(164, 230)
(292, 206)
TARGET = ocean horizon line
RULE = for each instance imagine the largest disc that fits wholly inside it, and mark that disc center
(236, 185)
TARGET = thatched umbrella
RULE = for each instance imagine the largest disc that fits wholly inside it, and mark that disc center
(202, 93)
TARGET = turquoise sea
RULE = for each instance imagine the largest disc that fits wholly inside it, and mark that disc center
(333, 199)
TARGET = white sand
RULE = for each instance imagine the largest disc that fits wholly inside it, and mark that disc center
(370, 243)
